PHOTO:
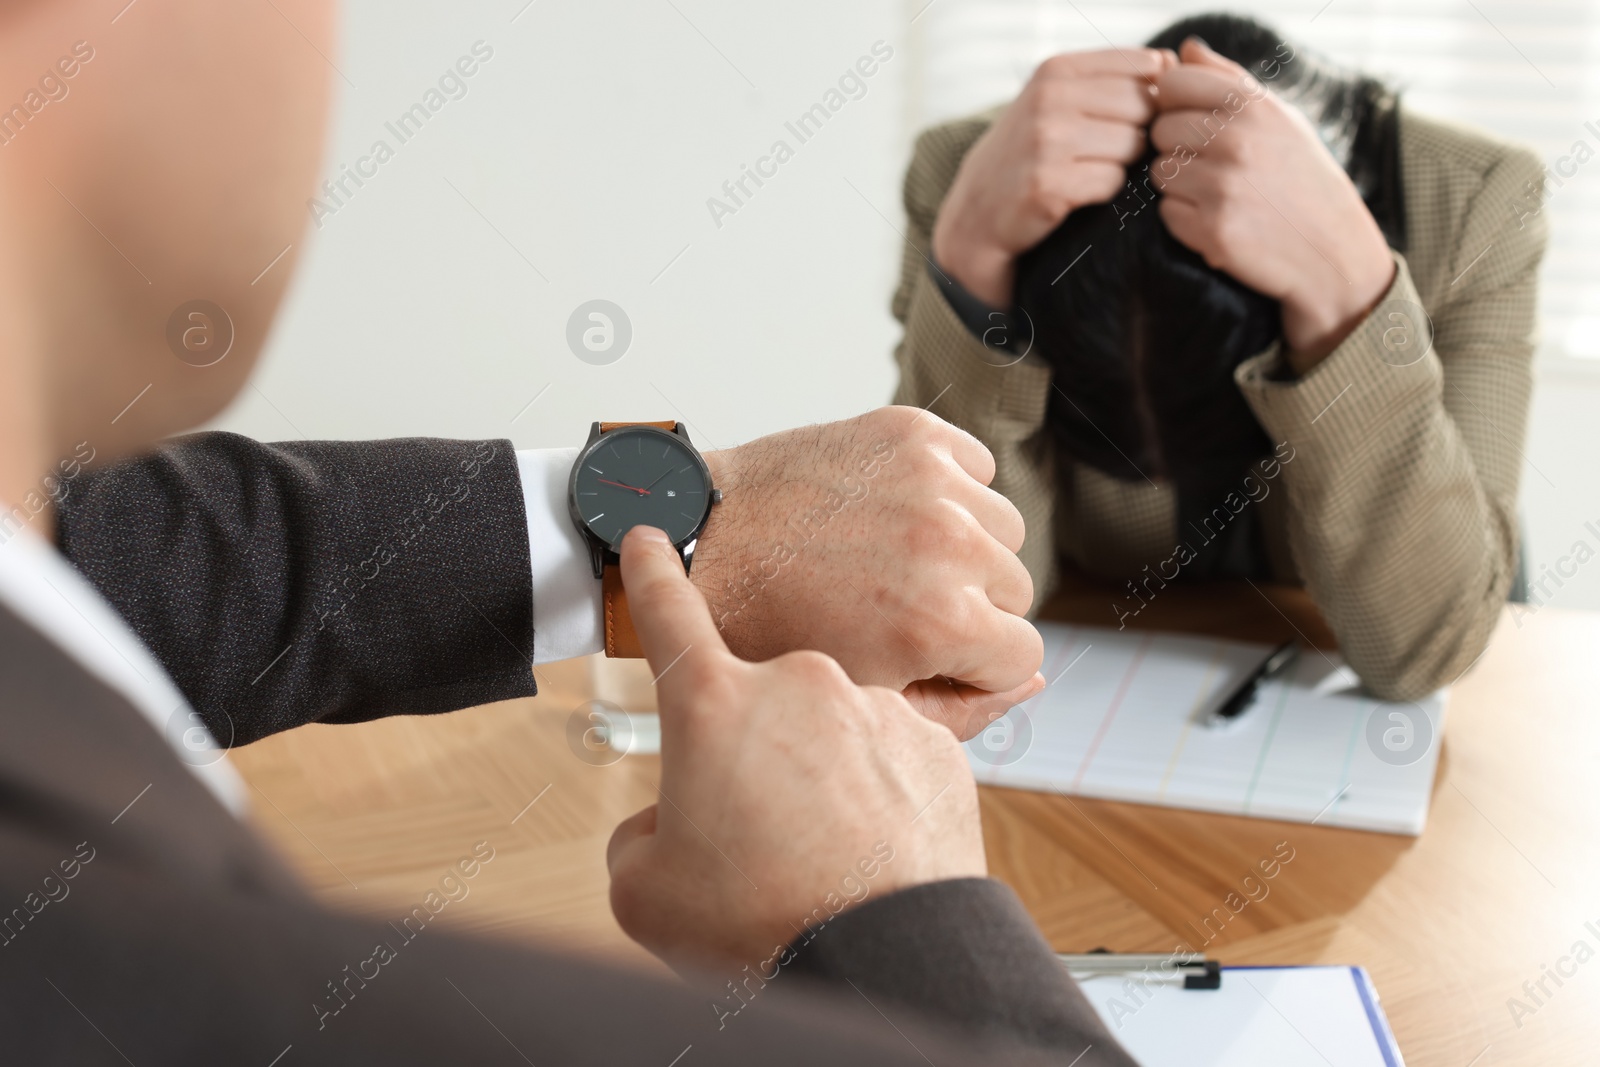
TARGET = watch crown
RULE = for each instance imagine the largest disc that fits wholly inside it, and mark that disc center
(716, 496)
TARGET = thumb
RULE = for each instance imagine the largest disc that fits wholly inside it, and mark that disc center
(638, 898)
(670, 616)
(637, 827)
(1196, 51)
(963, 709)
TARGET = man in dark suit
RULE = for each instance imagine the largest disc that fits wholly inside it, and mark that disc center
(819, 840)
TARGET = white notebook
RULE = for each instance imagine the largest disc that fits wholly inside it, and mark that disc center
(1261, 1017)
(1122, 719)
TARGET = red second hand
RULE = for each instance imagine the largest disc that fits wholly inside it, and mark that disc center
(619, 485)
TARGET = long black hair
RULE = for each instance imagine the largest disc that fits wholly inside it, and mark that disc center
(1143, 337)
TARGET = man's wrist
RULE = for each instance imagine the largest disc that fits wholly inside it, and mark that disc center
(567, 613)
(717, 554)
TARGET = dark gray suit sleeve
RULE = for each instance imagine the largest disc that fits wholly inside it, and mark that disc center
(315, 581)
(129, 968)
(964, 952)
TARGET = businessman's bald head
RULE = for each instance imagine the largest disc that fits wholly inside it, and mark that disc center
(151, 155)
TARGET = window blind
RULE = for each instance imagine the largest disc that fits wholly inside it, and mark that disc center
(1527, 71)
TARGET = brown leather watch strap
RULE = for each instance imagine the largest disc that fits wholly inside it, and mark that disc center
(671, 425)
(622, 641)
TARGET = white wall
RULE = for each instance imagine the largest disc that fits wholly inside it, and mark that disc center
(591, 141)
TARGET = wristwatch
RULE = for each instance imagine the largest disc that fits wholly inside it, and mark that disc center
(636, 474)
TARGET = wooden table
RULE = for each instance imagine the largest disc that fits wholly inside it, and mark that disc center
(1451, 924)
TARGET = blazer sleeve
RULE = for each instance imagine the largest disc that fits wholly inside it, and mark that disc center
(948, 371)
(168, 971)
(1407, 449)
(987, 970)
(315, 581)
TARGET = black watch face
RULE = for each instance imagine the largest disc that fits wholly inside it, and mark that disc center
(641, 476)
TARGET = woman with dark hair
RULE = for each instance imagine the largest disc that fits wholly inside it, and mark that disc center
(1220, 309)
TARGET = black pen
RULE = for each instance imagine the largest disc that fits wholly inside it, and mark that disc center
(1243, 696)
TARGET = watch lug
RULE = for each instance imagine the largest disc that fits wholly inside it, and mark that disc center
(597, 556)
(594, 434)
(682, 430)
(688, 554)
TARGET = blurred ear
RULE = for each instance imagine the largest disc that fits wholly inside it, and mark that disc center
(151, 158)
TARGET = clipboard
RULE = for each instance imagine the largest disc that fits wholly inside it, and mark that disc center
(1255, 1017)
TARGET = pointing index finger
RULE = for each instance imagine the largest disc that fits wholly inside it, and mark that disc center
(672, 620)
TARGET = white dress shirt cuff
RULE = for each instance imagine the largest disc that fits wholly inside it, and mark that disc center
(566, 596)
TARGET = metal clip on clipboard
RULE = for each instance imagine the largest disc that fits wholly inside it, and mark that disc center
(1192, 972)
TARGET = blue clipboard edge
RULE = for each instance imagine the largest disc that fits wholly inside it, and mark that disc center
(1369, 1000)
(1380, 1022)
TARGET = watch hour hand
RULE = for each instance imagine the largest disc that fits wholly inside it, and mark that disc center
(660, 476)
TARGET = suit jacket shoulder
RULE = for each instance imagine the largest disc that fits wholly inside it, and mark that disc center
(1468, 194)
(935, 159)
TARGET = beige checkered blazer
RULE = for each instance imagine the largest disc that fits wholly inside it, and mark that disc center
(1398, 508)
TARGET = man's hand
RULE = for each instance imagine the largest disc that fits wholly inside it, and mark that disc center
(1263, 200)
(876, 541)
(1063, 143)
(787, 791)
